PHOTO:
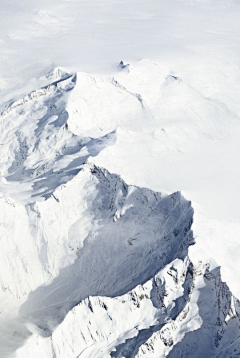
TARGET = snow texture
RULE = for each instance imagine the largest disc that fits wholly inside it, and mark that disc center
(114, 115)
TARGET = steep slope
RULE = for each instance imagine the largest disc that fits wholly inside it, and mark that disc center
(38, 152)
(112, 238)
(190, 143)
(183, 311)
(69, 229)
(93, 266)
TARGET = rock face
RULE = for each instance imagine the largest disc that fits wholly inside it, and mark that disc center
(92, 266)
(183, 311)
(96, 236)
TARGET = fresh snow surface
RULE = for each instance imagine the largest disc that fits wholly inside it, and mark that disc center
(92, 263)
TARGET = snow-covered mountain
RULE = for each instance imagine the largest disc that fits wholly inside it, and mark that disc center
(93, 267)
(119, 185)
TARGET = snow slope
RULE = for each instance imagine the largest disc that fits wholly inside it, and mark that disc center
(183, 311)
(94, 236)
(80, 240)
(92, 264)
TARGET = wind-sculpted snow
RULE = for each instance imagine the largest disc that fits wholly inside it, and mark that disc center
(69, 229)
(93, 266)
(38, 152)
(95, 236)
(131, 234)
(183, 311)
(218, 335)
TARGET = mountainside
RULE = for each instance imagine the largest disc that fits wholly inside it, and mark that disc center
(94, 267)
(119, 179)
